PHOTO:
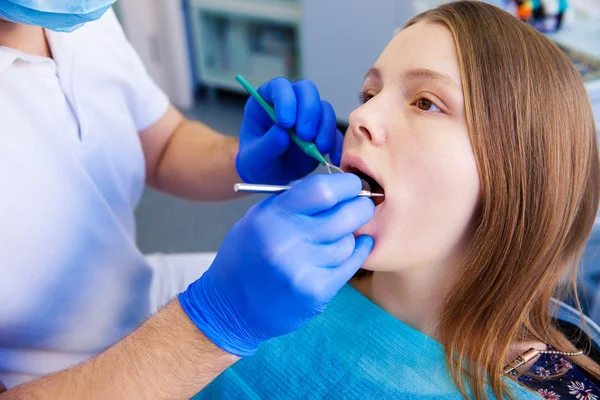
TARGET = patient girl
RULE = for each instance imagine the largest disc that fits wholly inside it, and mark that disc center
(480, 133)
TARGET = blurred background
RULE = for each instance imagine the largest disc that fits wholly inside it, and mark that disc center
(194, 49)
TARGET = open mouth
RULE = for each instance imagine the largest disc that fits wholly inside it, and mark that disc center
(369, 183)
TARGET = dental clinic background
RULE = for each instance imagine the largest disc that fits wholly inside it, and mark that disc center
(194, 48)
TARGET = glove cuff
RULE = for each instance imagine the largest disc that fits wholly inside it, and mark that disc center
(199, 312)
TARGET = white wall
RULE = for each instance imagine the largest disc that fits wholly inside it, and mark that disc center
(156, 29)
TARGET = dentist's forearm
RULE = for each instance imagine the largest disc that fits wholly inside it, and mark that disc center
(166, 358)
(198, 164)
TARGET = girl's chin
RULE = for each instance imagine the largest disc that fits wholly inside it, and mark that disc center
(380, 262)
(371, 263)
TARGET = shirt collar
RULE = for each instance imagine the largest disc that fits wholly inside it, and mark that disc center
(59, 43)
(7, 57)
(62, 46)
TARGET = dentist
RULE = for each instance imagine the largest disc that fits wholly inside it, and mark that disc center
(83, 129)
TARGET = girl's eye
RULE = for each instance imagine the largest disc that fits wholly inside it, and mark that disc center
(363, 97)
(427, 105)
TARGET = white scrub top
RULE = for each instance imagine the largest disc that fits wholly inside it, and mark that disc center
(72, 281)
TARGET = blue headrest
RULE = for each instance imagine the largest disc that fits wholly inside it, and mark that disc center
(566, 313)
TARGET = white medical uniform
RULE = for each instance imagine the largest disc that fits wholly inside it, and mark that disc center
(72, 281)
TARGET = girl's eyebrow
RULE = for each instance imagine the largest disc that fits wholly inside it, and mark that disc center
(374, 72)
(430, 74)
(417, 73)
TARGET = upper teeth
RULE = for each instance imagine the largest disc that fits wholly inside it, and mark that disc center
(365, 185)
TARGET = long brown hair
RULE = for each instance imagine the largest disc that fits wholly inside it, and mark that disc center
(534, 139)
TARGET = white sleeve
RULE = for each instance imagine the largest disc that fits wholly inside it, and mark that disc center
(147, 102)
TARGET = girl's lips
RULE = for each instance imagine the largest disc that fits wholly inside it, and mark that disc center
(356, 165)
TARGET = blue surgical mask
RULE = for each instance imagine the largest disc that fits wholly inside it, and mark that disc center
(56, 15)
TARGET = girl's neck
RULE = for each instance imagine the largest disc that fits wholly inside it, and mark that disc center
(26, 38)
(414, 296)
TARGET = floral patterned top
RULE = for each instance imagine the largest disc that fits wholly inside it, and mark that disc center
(554, 377)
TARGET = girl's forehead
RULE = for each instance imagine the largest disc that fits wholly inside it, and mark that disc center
(424, 45)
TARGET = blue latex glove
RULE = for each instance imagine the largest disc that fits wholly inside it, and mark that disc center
(267, 154)
(282, 263)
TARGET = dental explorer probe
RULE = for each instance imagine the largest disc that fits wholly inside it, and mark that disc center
(309, 148)
(254, 188)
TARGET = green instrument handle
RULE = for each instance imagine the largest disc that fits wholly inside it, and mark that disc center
(309, 148)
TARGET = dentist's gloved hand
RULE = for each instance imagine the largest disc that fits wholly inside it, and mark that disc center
(282, 263)
(267, 154)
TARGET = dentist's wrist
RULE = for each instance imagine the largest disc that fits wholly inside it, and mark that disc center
(218, 323)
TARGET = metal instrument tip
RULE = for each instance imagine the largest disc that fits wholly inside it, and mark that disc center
(330, 167)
